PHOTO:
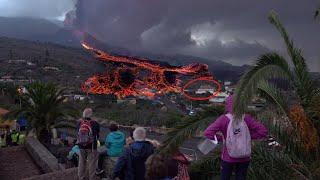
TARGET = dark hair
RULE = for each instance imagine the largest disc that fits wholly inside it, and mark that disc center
(131, 133)
(156, 167)
(113, 127)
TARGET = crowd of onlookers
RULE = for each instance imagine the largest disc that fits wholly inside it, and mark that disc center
(137, 158)
(12, 137)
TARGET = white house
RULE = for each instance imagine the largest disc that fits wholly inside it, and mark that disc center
(205, 89)
(227, 83)
(79, 97)
(220, 98)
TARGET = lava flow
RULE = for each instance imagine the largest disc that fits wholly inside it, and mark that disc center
(140, 77)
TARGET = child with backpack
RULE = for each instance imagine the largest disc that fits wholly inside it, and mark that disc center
(237, 136)
(88, 135)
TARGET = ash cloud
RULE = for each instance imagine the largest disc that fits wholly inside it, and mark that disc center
(232, 31)
(226, 30)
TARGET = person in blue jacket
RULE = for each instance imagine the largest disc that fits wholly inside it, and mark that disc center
(74, 153)
(131, 164)
(114, 143)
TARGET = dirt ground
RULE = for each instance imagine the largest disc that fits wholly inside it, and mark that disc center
(15, 164)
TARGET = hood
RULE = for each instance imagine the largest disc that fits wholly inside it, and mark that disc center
(116, 135)
(141, 149)
(229, 104)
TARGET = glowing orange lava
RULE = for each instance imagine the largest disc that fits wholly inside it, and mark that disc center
(140, 77)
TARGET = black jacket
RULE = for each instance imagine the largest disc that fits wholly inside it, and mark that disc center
(131, 165)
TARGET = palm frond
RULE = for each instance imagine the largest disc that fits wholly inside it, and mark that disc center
(275, 164)
(268, 66)
(66, 124)
(183, 131)
(270, 92)
(303, 83)
(186, 129)
(43, 106)
(207, 167)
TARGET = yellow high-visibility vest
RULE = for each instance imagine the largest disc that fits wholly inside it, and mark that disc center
(22, 139)
(14, 137)
(2, 141)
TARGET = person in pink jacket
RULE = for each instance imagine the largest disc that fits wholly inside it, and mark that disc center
(257, 131)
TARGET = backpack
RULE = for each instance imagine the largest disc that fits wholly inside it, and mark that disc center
(238, 141)
(85, 136)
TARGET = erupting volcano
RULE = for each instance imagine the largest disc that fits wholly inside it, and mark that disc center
(141, 77)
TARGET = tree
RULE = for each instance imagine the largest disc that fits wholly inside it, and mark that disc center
(298, 156)
(303, 113)
(47, 55)
(188, 127)
(43, 106)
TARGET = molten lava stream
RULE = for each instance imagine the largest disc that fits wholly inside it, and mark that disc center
(126, 80)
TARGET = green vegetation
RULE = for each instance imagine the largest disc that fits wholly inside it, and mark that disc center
(43, 106)
(295, 123)
(188, 127)
(143, 113)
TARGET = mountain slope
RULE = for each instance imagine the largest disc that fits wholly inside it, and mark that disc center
(46, 62)
(46, 31)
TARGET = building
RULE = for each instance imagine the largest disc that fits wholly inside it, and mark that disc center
(220, 98)
(79, 97)
(30, 63)
(132, 101)
(205, 89)
(6, 79)
(227, 83)
(17, 61)
(48, 68)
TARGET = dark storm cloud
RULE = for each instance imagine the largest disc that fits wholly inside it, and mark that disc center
(233, 31)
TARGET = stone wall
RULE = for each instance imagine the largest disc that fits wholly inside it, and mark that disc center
(41, 155)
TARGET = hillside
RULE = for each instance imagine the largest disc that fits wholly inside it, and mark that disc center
(47, 31)
(46, 62)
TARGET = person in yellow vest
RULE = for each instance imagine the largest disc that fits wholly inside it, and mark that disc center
(15, 137)
(21, 139)
(18, 138)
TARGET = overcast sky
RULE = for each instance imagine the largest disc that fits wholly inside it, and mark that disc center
(228, 30)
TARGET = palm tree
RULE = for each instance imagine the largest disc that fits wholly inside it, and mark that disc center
(303, 114)
(43, 106)
(271, 67)
(188, 127)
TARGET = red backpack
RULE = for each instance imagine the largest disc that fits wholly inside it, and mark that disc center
(85, 136)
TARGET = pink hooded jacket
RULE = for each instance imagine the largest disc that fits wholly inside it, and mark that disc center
(257, 130)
